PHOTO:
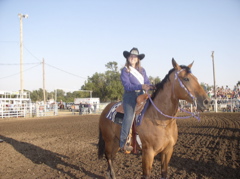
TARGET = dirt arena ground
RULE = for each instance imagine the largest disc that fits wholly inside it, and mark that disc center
(66, 147)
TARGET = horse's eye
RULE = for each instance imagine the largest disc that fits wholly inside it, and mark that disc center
(185, 79)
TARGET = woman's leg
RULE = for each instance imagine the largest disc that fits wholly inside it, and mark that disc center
(129, 102)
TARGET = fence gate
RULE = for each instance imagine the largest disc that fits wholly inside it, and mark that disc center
(40, 110)
(12, 104)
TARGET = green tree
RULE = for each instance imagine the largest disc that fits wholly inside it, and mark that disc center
(107, 86)
(36, 95)
(50, 95)
(114, 85)
(205, 86)
(97, 84)
(112, 66)
(60, 95)
(154, 80)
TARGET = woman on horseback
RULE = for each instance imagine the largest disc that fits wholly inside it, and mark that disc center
(134, 80)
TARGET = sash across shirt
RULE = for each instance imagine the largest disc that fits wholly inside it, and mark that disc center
(133, 80)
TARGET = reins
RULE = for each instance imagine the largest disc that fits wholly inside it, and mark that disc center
(192, 114)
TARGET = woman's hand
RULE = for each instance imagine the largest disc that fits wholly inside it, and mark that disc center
(146, 87)
(152, 87)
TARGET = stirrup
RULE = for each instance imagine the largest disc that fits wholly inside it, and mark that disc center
(126, 149)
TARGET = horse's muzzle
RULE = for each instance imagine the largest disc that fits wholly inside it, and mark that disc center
(206, 103)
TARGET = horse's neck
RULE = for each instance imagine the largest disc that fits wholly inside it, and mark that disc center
(166, 102)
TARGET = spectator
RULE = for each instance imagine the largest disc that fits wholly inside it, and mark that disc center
(95, 107)
(89, 108)
(73, 109)
(80, 108)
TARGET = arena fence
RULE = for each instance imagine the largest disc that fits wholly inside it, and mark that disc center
(101, 107)
(223, 105)
(226, 105)
(18, 107)
(17, 110)
(28, 109)
(39, 110)
(14, 104)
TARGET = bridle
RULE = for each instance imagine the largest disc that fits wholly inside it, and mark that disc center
(192, 114)
(184, 87)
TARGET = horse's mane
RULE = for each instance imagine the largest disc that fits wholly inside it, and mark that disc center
(160, 85)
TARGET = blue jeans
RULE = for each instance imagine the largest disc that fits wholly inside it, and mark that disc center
(129, 103)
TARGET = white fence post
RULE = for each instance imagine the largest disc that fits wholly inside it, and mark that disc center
(37, 110)
(215, 106)
(30, 110)
(1, 110)
(55, 109)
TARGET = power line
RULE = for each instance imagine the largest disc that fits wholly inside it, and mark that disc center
(8, 41)
(37, 63)
(19, 72)
(66, 71)
(31, 53)
(10, 64)
(53, 66)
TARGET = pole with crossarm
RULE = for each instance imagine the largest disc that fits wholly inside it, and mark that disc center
(214, 82)
(21, 51)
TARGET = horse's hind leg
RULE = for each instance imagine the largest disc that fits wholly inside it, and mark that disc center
(111, 173)
(111, 150)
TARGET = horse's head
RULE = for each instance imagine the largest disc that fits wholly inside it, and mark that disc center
(186, 86)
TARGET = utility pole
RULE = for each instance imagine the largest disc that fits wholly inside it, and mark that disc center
(90, 92)
(21, 52)
(43, 69)
(214, 82)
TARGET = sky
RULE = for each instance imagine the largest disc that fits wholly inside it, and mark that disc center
(77, 38)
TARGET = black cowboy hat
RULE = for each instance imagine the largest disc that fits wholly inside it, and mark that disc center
(133, 51)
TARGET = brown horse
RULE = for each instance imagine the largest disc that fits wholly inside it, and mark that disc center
(60, 106)
(158, 131)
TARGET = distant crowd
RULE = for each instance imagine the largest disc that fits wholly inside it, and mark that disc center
(225, 93)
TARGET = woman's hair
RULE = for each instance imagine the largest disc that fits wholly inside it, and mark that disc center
(138, 65)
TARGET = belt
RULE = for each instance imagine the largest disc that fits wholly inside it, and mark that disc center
(136, 91)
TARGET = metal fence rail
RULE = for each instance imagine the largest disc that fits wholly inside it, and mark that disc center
(18, 110)
(223, 105)
(27, 110)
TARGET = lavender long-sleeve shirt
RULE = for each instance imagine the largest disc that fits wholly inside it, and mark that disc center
(130, 82)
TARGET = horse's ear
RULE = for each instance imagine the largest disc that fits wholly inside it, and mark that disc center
(175, 65)
(190, 66)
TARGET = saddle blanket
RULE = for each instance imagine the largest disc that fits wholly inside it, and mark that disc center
(117, 117)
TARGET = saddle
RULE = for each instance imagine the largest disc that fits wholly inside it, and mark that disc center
(141, 101)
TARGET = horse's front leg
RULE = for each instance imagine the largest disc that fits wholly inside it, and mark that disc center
(147, 161)
(165, 158)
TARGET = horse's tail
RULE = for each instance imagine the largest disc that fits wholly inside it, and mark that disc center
(101, 146)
